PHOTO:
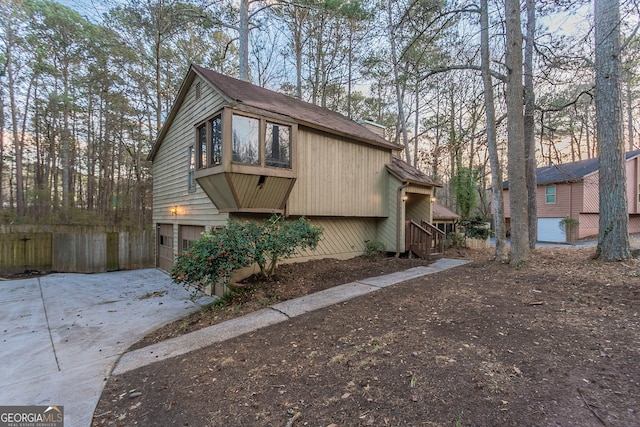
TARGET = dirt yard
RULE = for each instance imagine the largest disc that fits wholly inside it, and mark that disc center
(556, 343)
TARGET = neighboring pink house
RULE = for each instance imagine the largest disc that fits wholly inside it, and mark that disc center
(570, 190)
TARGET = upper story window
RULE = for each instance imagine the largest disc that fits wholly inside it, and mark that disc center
(271, 147)
(216, 140)
(209, 142)
(245, 140)
(202, 146)
(191, 157)
(550, 194)
(278, 145)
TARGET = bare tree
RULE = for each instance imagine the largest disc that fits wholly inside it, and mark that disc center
(13, 104)
(395, 63)
(529, 124)
(520, 250)
(496, 170)
(613, 232)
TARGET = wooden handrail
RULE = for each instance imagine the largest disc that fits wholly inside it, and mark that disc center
(424, 239)
(432, 227)
(439, 235)
(419, 240)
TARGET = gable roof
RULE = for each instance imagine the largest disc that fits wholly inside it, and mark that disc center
(240, 92)
(407, 173)
(570, 172)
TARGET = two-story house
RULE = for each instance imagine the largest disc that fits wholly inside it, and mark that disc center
(571, 190)
(230, 149)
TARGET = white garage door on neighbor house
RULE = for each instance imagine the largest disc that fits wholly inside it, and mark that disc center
(549, 230)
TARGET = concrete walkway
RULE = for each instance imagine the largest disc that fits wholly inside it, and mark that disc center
(61, 334)
(268, 316)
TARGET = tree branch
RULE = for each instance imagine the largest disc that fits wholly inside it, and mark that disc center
(430, 73)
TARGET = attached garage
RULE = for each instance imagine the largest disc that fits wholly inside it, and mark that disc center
(164, 251)
(187, 234)
(549, 230)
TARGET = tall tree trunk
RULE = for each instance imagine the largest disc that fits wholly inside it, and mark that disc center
(1, 146)
(492, 145)
(66, 137)
(396, 75)
(613, 231)
(520, 250)
(158, 51)
(416, 127)
(20, 201)
(629, 110)
(350, 71)
(297, 43)
(243, 35)
(529, 125)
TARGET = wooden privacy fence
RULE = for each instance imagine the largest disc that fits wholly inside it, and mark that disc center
(74, 250)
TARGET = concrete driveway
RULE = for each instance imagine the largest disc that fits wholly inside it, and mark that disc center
(61, 334)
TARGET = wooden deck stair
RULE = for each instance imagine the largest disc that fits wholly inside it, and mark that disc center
(424, 240)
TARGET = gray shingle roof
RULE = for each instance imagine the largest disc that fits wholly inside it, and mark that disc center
(570, 172)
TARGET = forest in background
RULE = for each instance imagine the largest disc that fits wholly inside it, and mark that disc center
(86, 88)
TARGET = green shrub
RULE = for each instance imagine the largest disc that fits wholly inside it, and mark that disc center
(277, 239)
(374, 249)
(455, 240)
(476, 228)
(216, 256)
(568, 223)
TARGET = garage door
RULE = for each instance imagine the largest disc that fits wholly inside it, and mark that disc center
(187, 235)
(549, 230)
(165, 246)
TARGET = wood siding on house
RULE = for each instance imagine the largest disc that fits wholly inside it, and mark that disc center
(634, 224)
(170, 173)
(250, 192)
(507, 204)
(577, 199)
(337, 177)
(341, 237)
(561, 208)
(588, 224)
(591, 198)
(418, 207)
(388, 227)
(633, 185)
(170, 166)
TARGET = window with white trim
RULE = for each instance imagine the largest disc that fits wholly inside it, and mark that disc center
(550, 194)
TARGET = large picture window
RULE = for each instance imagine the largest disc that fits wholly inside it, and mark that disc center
(278, 145)
(246, 140)
(216, 140)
